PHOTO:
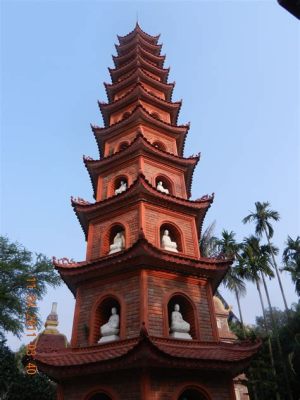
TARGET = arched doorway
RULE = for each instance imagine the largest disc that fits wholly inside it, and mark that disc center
(192, 394)
(100, 396)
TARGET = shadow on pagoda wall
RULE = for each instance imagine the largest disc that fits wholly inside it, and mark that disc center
(99, 396)
(101, 312)
(193, 393)
(101, 393)
(188, 311)
(160, 384)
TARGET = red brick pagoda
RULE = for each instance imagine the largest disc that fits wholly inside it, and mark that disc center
(144, 324)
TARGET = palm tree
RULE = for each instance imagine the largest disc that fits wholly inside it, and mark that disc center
(262, 217)
(207, 243)
(254, 265)
(232, 280)
(291, 259)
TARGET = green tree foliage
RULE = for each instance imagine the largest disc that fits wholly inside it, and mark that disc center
(17, 266)
(291, 259)
(15, 384)
(208, 242)
(279, 317)
(262, 217)
(233, 280)
(259, 374)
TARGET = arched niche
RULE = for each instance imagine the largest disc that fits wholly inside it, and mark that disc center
(174, 234)
(126, 115)
(192, 394)
(123, 145)
(112, 233)
(166, 182)
(101, 313)
(155, 115)
(117, 183)
(159, 145)
(187, 310)
(100, 396)
(101, 393)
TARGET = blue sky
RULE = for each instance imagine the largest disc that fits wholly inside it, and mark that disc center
(236, 67)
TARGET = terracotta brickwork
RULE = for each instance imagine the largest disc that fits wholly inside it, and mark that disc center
(119, 115)
(161, 287)
(122, 92)
(124, 387)
(107, 180)
(152, 170)
(159, 385)
(162, 115)
(98, 242)
(126, 289)
(166, 385)
(154, 91)
(152, 135)
(185, 225)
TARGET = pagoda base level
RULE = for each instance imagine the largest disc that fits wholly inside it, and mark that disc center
(110, 338)
(181, 335)
(146, 385)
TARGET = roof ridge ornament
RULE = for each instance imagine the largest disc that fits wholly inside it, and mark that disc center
(79, 200)
(63, 261)
(87, 158)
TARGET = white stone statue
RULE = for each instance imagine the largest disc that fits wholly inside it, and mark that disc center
(167, 244)
(121, 188)
(118, 243)
(161, 188)
(179, 327)
(110, 330)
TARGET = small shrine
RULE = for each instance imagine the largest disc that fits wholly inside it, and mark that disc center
(146, 325)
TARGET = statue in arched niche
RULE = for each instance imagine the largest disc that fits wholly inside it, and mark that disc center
(179, 327)
(166, 242)
(161, 188)
(121, 188)
(110, 330)
(118, 243)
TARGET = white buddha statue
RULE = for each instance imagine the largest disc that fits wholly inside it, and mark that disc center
(110, 330)
(118, 243)
(161, 188)
(167, 244)
(121, 188)
(179, 327)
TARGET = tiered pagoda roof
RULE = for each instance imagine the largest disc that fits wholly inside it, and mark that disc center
(141, 146)
(133, 96)
(149, 351)
(138, 116)
(142, 254)
(131, 110)
(142, 76)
